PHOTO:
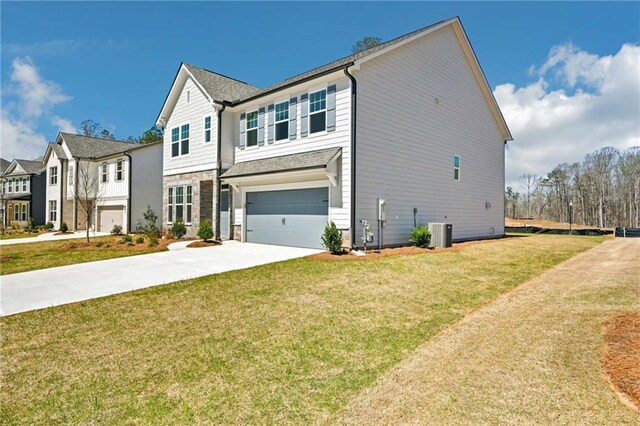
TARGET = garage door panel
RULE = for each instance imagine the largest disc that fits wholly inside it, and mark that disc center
(110, 216)
(292, 217)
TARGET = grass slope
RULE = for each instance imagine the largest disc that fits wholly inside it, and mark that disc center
(285, 343)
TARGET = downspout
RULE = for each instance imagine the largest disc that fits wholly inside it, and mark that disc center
(216, 206)
(354, 93)
(130, 197)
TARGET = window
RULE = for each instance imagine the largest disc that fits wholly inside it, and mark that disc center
(282, 120)
(53, 210)
(184, 139)
(104, 173)
(318, 111)
(179, 205)
(170, 206)
(207, 129)
(53, 175)
(456, 167)
(24, 184)
(10, 190)
(252, 128)
(119, 171)
(175, 142)
(24, 215)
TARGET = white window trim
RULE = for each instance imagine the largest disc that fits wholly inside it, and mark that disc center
(103, 173)
(54, 210)
(275, 121)
(309, 113)
(456, 168)
(52, 175)
(204, 129)
(24, 185)
(115, 172)
(246, 129)
(184, 203)
(179, 126)
(171, 199)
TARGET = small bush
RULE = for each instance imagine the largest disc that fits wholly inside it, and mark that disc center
(116, 230)
(48, 226)
(205, 231)
(130, 243)
(64, 227)
(332, 238)
(31, 225)
(179, 229)
(150, 218)
(140, 240)
(99, 244)
(126, 238)
(420, 236)
(153, 242)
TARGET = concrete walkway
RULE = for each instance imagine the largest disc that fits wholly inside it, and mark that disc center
(66, 284)
(50, 236)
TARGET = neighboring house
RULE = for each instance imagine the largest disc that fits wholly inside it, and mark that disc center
(405, 132)
(23, 193)
(3, 166)
(120, 178)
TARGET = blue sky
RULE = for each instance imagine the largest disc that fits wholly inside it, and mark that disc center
(114, 62)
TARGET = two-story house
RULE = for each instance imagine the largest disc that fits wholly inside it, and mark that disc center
(23, 193)
(404, 132)
(114, 181)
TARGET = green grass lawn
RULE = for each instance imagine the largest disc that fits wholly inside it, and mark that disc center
(15, 236)
(48, 254)
(285, 343)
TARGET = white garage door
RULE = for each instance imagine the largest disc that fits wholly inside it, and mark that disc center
(109, 216)
(289, 218)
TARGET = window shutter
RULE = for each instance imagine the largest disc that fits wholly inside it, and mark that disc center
(261, 126)
(242, 138)
(331, 108)
(293, 114)
(304, 115)
(270, 120)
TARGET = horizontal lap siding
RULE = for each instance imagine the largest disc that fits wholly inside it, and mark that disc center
(201, 156)
(338, 138)
(146, 185)
(406, 142)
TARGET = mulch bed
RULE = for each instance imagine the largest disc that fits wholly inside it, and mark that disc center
(197, 244)
(112, 244)
(621, 357)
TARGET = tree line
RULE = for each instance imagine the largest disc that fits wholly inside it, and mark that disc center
(601, 191)
(91, 128)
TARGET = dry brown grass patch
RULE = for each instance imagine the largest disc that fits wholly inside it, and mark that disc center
(197, 244)
(621, 357)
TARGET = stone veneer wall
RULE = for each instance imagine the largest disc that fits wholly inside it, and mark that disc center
(194, 179)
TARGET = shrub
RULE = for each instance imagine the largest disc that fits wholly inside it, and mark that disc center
(126, 238)
(205, 231)
(30, 225)
(64, 227)
(99, 244)
(130, 243)
(49, 226)
(153, 241)
(420, 236)
(332, 238)
(140, 240)
(116, 230)
(179, 229)
(150, 217)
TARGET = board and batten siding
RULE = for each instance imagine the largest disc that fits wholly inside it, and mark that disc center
(202, 156)
(113, 188)
(340, 200)
(418, 105)
(146, 184)
(53, 191)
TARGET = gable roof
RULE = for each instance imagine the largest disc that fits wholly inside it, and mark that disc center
(30, 167)
(82, 146)
(4, 164)
(220, 87)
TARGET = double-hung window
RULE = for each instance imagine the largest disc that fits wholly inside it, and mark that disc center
(53, 210)
(53, 175)
(207, 129)
(188, 204)
(282, 120)
(24, 215)
(184, 139)
(317, 111)
(119, 171)
(24, 184)
(252, 128)
(170, 206)
(10, 190)
(175, 141)
(456, 167)
(179, 205)
(104, 173)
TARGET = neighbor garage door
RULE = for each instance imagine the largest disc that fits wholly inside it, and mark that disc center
(109, 216)
(294, 217)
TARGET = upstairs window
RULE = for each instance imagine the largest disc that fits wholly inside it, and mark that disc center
(456, 167)
(175, 141)
(24, 184)
(317, 111)
(53, 175)
(184, 139)
(180, 140)
(282, 120)
(10, 190)
(119, 171)
(104, 173)
(252, 128)
(207, 129)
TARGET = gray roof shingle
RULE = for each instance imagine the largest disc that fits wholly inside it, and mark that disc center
(29, 167)
(4, 164)
(303, 161)
(220, 87)
(58, 150)
(90, 147)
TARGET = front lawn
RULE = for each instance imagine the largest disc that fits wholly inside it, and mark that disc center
(285, 343)
(48, 254)
(12, 236)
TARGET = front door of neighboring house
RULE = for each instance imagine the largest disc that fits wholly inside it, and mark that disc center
(224, 213)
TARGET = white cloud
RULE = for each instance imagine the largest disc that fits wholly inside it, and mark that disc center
(33, 101)
(597, 105)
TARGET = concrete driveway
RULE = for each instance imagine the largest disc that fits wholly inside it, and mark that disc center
(28, 291)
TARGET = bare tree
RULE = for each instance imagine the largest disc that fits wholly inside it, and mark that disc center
(88, 192)
(529, 184)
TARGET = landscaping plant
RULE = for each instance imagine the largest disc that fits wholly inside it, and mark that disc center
(332, 238)
(64, 227)
(420, 236)
(140, 240)
(150, 217)
(205, 231)
(178, 229)
(48, 226)
(126, 238)
(153, 241)
(116, 230)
